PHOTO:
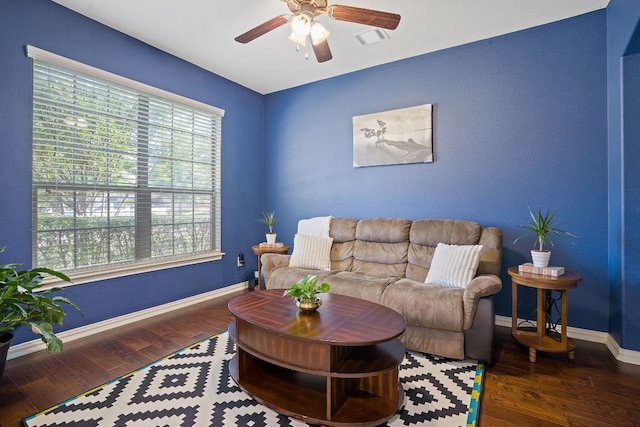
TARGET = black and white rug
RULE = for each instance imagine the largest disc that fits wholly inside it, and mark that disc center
(192, 387)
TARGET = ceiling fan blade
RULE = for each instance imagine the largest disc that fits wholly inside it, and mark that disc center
(375, 18)
(322, 51)
(261, 29)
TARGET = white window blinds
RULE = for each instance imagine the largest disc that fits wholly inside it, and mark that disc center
(122, 172)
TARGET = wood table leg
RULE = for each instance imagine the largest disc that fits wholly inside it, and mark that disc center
(514, 308)
(532, 354)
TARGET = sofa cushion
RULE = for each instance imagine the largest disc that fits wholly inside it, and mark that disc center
(384, 230)
(430, 232)
(380, 259)
(359, 285)
(343, 229)
(381, 247)
(282, 278)
(454, 266)
(342, 255)
(343, 232)
(311, 252)
(426, 305)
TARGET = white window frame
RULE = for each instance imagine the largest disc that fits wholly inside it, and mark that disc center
(110, 271)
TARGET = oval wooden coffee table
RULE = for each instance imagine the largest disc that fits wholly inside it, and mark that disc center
(337, 367)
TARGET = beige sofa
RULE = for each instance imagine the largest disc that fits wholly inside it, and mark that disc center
(387, 261)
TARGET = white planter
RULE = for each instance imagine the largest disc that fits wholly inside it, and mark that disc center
(271, 237)
(540, 258)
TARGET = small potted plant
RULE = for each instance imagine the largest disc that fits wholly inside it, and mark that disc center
(269, 219)
(306, 291)
(22, 302)
(543, 227)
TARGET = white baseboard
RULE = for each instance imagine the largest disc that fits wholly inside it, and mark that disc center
(623, 355)
(84, 331)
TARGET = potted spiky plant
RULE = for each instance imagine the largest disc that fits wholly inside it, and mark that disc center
(269, 219)
(306, 291)
(544, 228)
(23, 302)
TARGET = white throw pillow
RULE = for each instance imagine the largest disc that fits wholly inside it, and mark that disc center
(311, 252)
(317, 226)
(454, 266)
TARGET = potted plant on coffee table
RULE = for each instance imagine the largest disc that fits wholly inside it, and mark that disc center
(306, 291)
(543, 227)
(23, 302)
(269, 219)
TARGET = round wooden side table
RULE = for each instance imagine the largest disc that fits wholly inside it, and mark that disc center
(544, 337)
(259, 250)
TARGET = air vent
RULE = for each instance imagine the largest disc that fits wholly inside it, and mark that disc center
(368, 37)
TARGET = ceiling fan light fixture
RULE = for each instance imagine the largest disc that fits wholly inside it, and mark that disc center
(299, 40)
(301, 24)
(318, 33)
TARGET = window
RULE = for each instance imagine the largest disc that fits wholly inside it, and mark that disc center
(122, 173)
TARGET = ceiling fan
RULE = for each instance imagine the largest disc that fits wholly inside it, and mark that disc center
(303, 23)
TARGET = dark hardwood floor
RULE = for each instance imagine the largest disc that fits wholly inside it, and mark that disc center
(592, 390)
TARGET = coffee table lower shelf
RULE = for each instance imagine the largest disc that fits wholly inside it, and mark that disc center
(352, 396)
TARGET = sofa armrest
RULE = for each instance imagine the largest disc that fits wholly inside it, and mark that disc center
(481, 286)
(271, 262)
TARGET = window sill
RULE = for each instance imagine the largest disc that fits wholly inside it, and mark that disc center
(122, 270)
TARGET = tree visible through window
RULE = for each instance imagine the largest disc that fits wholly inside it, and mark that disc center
(119, 175)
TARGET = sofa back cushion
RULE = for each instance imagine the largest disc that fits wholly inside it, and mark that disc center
(381, 247)
(427, 233)
(343, 232)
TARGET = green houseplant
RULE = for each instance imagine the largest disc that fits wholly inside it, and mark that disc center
(306, 291)
(543, 226)
(22, 302)
(269, 219)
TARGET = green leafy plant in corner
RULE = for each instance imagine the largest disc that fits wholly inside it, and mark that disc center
(307, 289)
(268, 219)
(22, 302)
(543, 227)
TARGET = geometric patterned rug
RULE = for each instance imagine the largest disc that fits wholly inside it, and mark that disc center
(192, 387)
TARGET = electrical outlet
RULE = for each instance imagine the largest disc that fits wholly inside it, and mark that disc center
(240, 260)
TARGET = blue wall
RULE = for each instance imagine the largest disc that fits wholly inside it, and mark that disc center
(49, 26)
(623, 66)
(519, 120)
(631, 195)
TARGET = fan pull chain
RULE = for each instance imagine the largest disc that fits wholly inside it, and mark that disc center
(306, 51)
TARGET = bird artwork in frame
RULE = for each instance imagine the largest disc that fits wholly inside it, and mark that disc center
(393, 137)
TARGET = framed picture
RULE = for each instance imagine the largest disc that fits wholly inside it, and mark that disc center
(393, 137)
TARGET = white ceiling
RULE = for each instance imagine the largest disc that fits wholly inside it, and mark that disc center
(203, 31)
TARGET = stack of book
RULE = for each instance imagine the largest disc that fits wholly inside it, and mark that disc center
(271, 245)
(542, 271)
